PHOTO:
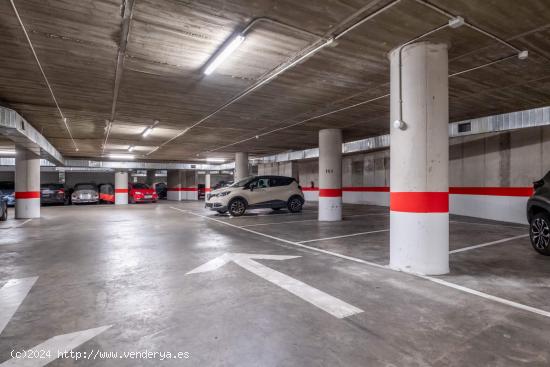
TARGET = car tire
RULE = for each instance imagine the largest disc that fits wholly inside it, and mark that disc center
(539, 233)
(222, 211)
(131, 200)
(237, 207)
(295, 204)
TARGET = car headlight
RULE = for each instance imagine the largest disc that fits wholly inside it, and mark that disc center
(138, 193)
(225, 193)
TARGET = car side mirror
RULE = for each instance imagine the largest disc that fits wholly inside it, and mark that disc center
(251, 187)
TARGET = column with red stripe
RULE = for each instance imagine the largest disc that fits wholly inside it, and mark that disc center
(175, 186)
(330, 175)
(27, 184)
(121, 188)
(419, 159)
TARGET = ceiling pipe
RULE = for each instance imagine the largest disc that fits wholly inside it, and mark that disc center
(121, 56)
(316, 47)
(63, 118)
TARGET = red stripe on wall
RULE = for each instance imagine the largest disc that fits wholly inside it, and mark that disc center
(419, 202)
(27, 195)
(310, 189)
(121, 191)
(330, 193)
(489, 191)
(367, 189)
(189, 189)
(207, 189)
(492, 191)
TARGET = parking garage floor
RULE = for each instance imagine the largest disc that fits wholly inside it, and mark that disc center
(266, 289)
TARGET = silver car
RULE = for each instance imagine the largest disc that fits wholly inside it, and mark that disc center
(85, 193)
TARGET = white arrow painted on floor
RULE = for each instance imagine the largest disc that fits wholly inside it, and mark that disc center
(61, 343)
(12, 295)
(324, 301)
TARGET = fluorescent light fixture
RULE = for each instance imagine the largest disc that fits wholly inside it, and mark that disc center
(122, 156)
(215, 159)
(7, 152)
(224, 54)
(131, 148)
(147, 131)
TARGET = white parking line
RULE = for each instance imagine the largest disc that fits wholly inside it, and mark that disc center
(488, 243)
(344, 236)
(445, 283)
(310, 220)
(18, 226)
(487, 224)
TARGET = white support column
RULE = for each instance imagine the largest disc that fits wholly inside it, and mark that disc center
(330, 175)
(121, 188)
(175, 189)
(241, 166)
(27, 184)
(207, 188)
(419, 156)
(191, 187)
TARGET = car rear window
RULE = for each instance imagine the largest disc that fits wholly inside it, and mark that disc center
(140, 186)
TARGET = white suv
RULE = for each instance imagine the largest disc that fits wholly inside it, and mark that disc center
(275, 192)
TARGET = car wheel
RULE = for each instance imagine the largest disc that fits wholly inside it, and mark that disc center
(131, 200)
(294, 204)
(237, 207)
(539, 233)
(222, 211)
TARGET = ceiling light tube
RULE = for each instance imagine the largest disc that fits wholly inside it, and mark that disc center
(7, 152)
(131, 148)
(147, 131)
(122, 156)
(215, 159)
(224, 54)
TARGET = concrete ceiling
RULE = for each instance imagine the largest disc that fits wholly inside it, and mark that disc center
(169, 42)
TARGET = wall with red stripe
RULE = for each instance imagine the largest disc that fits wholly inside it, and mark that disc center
(490, 176)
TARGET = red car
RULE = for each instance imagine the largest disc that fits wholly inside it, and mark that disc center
(141, 193)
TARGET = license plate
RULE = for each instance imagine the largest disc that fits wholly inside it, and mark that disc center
(148, 196)
(87, 196)
(208, 205)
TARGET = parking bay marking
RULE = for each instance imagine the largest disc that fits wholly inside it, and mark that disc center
(12, 294)
(320, 299)
(344, 236)
(488, 243)
(361, 261)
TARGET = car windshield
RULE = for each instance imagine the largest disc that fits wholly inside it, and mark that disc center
(51, 186)
(85, 187)
(242, 182)
(140, 186)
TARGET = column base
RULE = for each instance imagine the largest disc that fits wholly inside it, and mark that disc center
(330, 209)
(174, 195)
(27, 208)
(419, 242)
(121, 199)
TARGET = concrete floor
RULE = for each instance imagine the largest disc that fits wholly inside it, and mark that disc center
(126, 267)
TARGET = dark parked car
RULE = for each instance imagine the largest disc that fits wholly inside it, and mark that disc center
(106, 193)
(161, 189)
(3, 209)
(7, 191)
(53, 194)
(538, 215)
(85, 193)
